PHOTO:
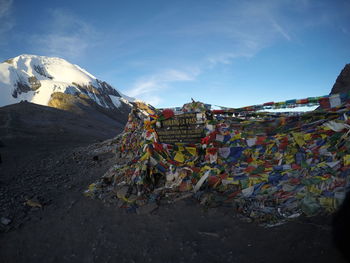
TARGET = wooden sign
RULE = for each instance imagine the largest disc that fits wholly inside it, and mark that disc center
(183, 128)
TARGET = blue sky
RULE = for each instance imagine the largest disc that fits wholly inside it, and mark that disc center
(229, 53)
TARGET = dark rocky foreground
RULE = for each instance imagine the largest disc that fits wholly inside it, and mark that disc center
(46, 218)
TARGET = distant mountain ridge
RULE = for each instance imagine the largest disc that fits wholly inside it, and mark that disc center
(37, 78)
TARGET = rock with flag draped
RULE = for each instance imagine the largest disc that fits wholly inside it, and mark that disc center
(270, 167)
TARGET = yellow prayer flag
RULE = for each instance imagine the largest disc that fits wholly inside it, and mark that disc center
(324, 136)
(236, 137)
(192, 150)
(299, 138)
(289, 159)
(346, 159)
(145, 156)
(307, 136)
(313, 189)
(328, 203)
(179, 157)
(190, 164)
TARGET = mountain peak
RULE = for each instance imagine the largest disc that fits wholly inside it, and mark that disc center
(36, 78)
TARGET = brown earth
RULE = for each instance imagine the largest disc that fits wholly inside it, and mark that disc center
(45, 171)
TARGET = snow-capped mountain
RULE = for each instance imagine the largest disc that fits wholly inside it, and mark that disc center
(47, 80)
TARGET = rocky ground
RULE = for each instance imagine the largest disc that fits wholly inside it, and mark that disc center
(45, 216)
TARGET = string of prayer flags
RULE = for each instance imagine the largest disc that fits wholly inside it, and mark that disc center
(270, 167)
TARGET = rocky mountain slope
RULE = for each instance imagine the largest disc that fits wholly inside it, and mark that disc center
(26, 122)
(342, 83)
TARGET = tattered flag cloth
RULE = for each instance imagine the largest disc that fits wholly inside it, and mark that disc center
(267, 166)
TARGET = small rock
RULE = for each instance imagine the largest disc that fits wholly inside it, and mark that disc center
(33, 203)
(146, 209)
(211, 234)
(246, 219)
(121, 192)
(132, 198)
(5, 221)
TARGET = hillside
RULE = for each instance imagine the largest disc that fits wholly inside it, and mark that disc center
(37, 123)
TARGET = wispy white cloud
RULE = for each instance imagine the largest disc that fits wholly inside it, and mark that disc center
(147, 88)
(281, 30)
(66, 35)
(6, 21)
(225, 58)
(5, 6)
(247, 27)
(222, 33)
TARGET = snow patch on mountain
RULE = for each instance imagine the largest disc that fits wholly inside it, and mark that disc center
(116, 101)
